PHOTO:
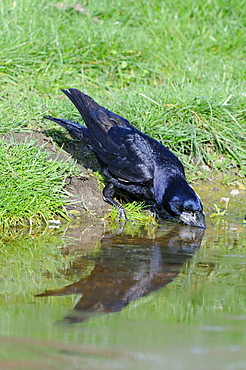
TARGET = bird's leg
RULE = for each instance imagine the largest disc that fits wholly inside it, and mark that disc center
(108, 193)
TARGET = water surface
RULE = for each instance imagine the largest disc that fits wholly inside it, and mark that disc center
(86, 296)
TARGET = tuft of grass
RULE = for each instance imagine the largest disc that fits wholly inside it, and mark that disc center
(136, 213)
(31, 184)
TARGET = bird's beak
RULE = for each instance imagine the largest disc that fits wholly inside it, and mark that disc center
(193, 219)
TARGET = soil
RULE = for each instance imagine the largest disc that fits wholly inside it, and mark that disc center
(83, 191)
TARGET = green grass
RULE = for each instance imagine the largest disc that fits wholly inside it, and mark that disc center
(30, 185)
(175, 69)
(139, 219)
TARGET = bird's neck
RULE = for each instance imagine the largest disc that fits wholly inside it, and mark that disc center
(165, 185)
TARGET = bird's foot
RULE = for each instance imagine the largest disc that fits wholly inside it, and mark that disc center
(122, 216)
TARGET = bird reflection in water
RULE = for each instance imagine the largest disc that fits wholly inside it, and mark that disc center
(127, 268)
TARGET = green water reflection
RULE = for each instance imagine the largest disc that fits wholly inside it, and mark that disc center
(168, 298)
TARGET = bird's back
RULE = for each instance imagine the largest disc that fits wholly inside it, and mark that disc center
(127, 153)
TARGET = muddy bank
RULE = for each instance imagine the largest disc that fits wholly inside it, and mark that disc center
(83, 192)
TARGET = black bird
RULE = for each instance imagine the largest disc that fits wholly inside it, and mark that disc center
(134, 162)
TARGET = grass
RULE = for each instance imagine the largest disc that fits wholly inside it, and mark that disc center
(31, 183)
(140, 219)
(175, 69)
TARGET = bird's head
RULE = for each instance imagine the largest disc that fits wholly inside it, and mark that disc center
(182, 202)
(188, 211)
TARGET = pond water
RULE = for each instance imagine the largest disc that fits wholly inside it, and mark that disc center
(84, 296)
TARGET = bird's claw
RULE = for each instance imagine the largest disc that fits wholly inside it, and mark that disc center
(122, 215)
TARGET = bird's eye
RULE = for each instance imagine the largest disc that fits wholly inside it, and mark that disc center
(176, 207)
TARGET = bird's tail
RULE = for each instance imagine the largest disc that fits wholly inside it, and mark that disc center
(82, 102)
(75, 129)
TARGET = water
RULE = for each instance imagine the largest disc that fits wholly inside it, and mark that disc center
(84, 296)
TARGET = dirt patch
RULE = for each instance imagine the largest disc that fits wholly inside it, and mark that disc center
(83, 192)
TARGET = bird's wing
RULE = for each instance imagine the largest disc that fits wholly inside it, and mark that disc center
(117, 143)
(124, 150)
(118, 120)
